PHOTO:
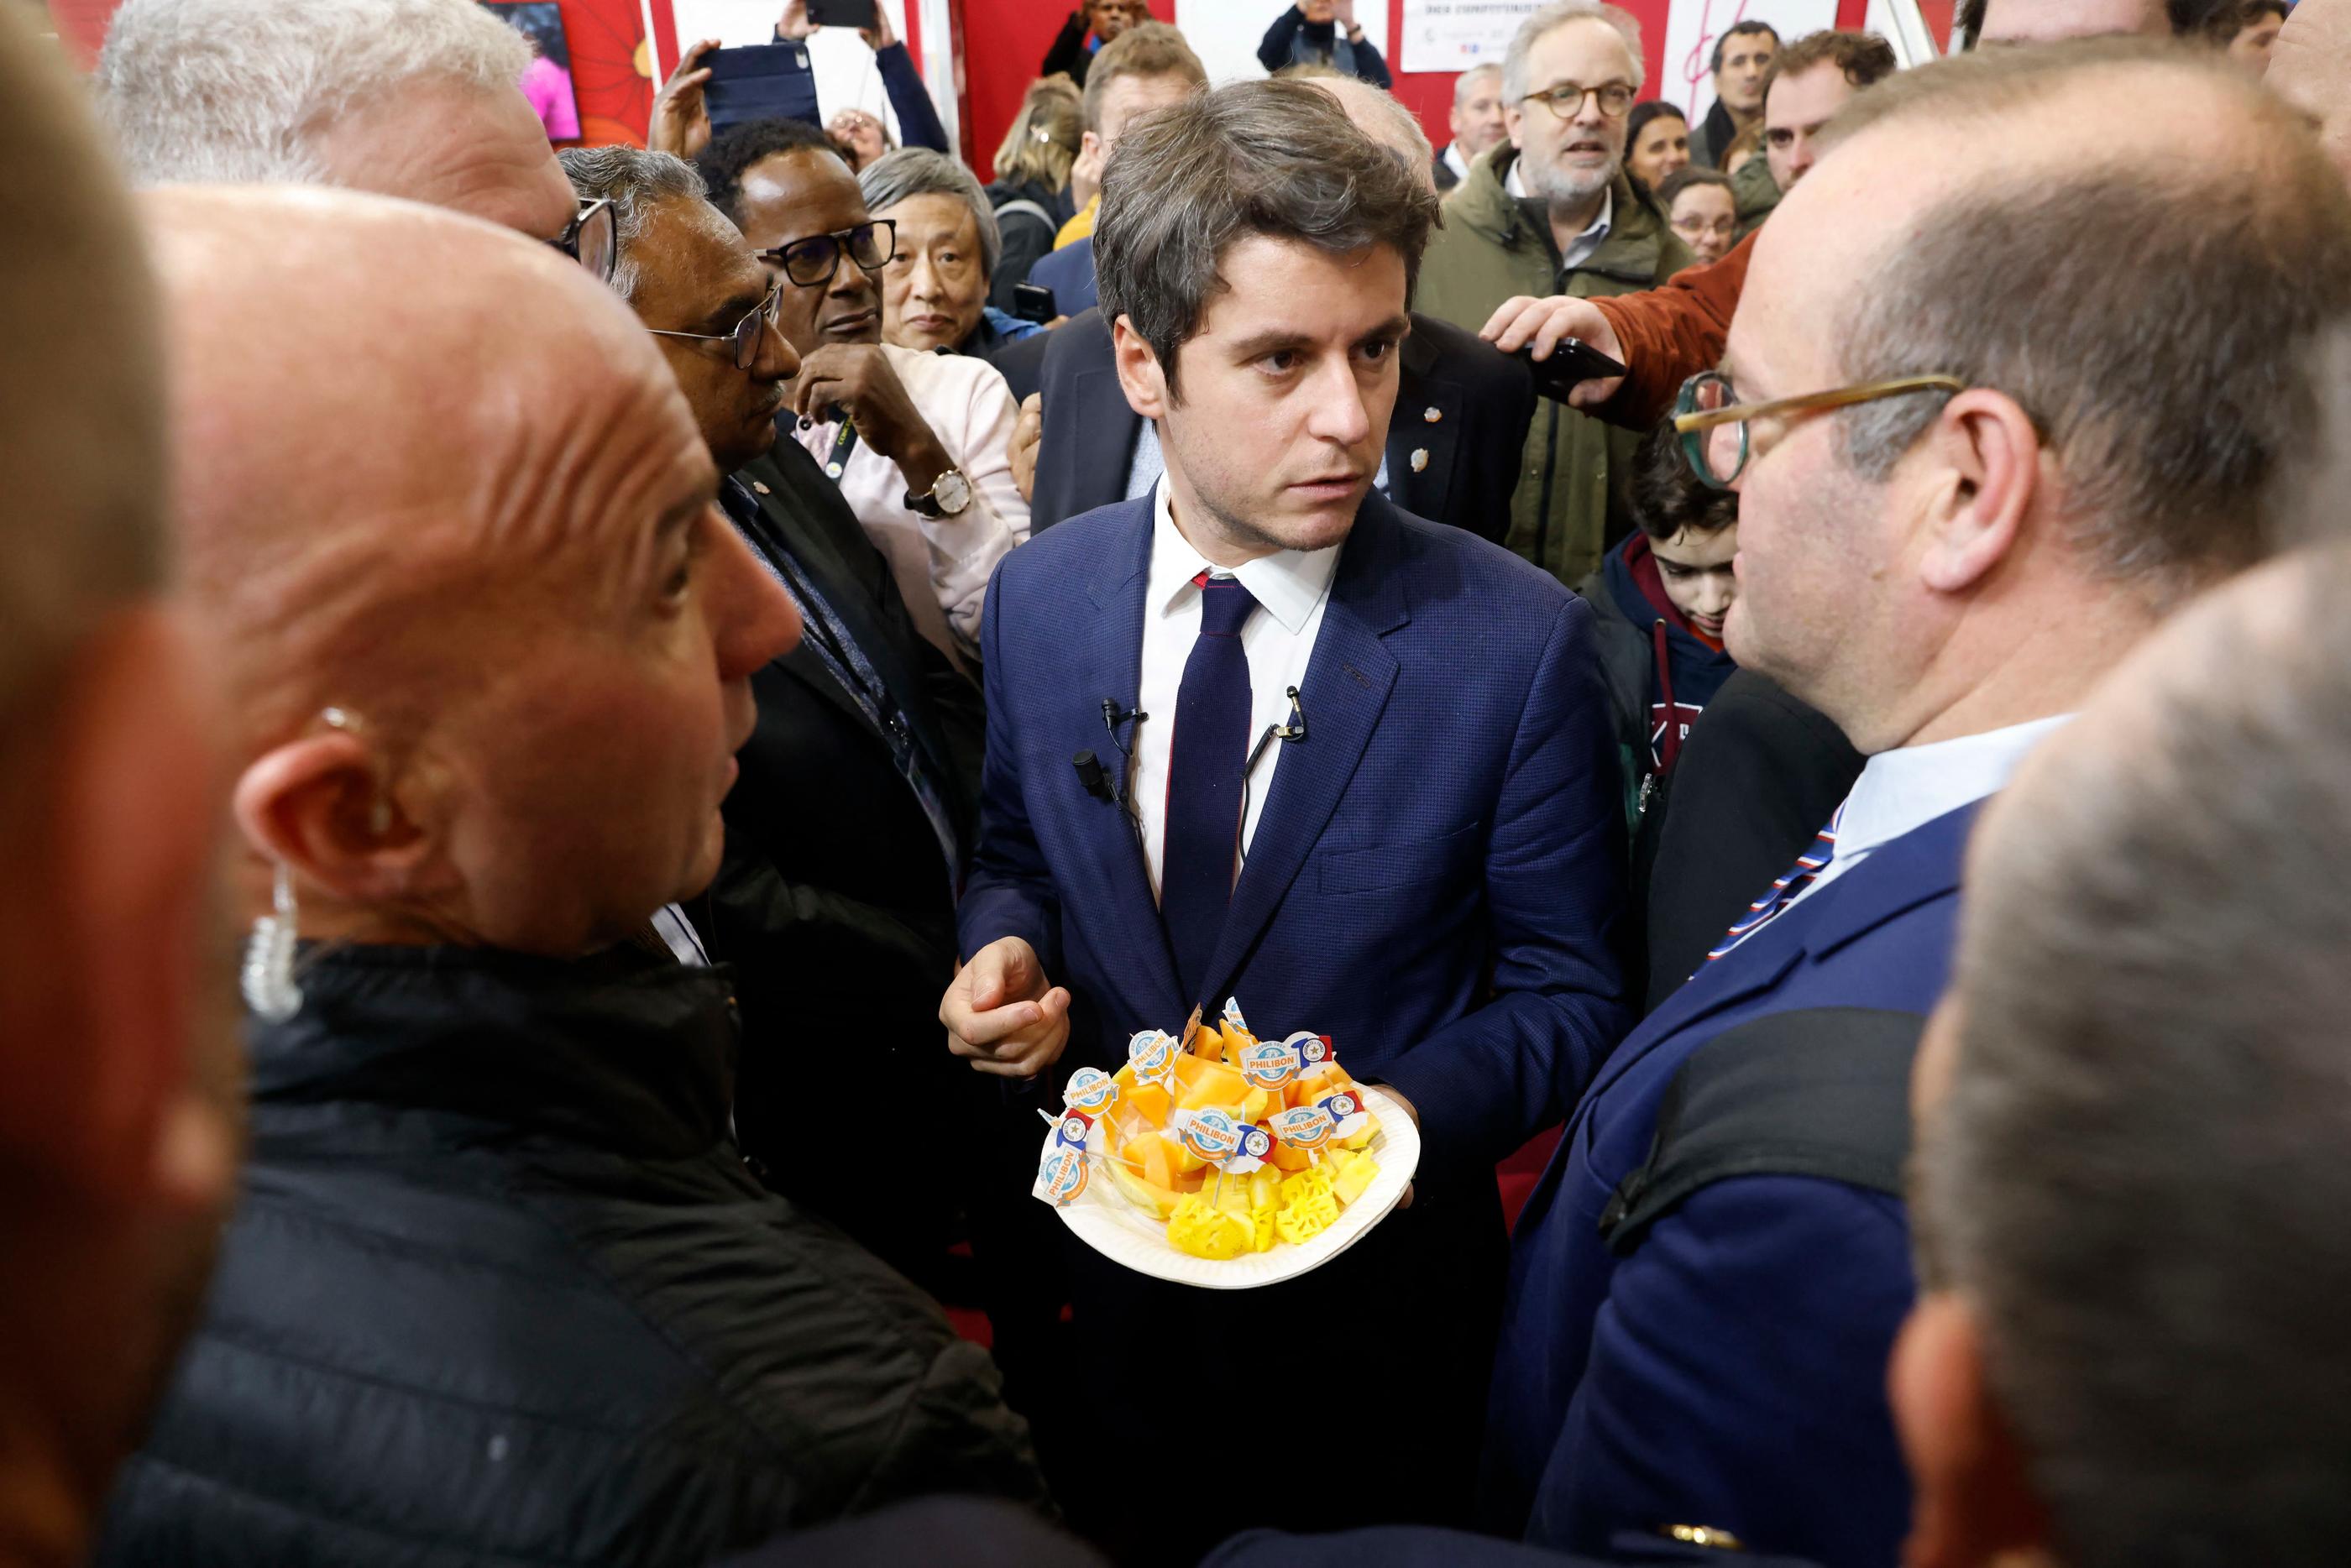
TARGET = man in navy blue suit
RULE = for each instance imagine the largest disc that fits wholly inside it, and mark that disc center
(1367, 793)
(1706, 1286)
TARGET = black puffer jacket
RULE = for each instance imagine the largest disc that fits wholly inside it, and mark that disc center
(499, 1291)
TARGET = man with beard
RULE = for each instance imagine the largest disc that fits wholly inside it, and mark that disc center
(1551, 211)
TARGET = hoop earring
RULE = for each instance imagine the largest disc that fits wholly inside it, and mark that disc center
(268, 980)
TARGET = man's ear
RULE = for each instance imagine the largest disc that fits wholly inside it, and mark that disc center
(1089, 144)
(319, 805)
(1139, 372)
(115, 854)
(1972, 1502)
(1514, 117)
(1986, 457)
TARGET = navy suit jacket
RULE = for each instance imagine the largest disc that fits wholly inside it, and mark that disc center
(1731, 1371)
(1069, 274)
(1461, 415)
(1435, 874)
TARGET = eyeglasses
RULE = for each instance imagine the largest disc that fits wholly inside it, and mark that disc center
(1565, 99)
(745, 333)
(592, 240)
(812, 262)
(1712, 423)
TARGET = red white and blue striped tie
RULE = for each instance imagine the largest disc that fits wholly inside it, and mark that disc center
(1782, 893)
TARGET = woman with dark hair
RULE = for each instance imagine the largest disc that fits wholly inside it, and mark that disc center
(1656, 143)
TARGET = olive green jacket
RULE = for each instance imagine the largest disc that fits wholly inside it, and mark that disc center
(1755, 194)
(1569, 497)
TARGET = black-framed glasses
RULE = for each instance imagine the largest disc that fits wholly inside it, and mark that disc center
(812, 262)
(592, 238)
(1712, 423)
(744, 335)
(1565, 99)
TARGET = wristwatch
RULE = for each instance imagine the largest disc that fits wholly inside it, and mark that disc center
(948, 497)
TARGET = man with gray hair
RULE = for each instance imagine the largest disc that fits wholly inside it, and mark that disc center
(1551, 211)
(2130, 1186)
(1959, 505)
(1281, 652)
(405, 98)
(1475, 121)
(867, 728)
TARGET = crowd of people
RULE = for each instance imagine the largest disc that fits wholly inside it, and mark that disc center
(588, 739)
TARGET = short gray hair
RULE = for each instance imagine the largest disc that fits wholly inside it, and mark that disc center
(2162, 361)
(1273, 158)
(635, 182)
(1550, 19)
(82, 475)
(914, 172)
(2135, 1177)
(230, 91)
(1465, 83)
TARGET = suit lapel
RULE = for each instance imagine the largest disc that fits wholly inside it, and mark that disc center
(1346, 688)
(1420, 488)
(1105, 653)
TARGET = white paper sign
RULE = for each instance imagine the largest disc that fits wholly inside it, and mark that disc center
(1694, 25)
(1455, 34)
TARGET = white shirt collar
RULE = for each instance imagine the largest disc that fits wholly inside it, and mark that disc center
(1455, 162)
(1289, 584)
(1902, 790)
(1596, 231)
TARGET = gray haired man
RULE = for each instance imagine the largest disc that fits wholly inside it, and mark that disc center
(1551, 211)
(404, 97)
(2130, 1186)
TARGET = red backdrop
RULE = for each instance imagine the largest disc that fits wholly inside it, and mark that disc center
(1007, 38)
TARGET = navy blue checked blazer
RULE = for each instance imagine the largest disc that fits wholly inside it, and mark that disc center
(1731, 1371)
(1436, 873)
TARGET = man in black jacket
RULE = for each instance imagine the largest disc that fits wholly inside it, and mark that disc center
(848, 830)
(499, 1289)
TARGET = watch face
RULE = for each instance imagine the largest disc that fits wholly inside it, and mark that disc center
(953, 493)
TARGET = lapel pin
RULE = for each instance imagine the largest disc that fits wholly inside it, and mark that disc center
(1431, 415)
(1419, 459)
(760, 487)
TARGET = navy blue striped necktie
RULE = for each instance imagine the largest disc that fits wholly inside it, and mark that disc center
(1206, 754)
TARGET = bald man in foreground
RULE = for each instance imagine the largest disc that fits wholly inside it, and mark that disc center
(500, 1288)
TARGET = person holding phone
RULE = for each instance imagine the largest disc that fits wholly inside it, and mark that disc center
(1323, 33)
(1089, 26)
(680, 117)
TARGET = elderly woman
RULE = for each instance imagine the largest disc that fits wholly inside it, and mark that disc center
(500, 1285)
(935, 288)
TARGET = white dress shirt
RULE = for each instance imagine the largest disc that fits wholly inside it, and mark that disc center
(1291, 590)
(1901, 790)
(1455, 162)
(942, 565)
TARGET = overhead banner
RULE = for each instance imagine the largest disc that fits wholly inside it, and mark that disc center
(1455, 34)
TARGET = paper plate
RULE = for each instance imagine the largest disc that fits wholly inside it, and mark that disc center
(1104, 1221)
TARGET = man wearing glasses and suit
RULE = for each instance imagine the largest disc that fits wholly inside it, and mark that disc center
(1948, 534)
